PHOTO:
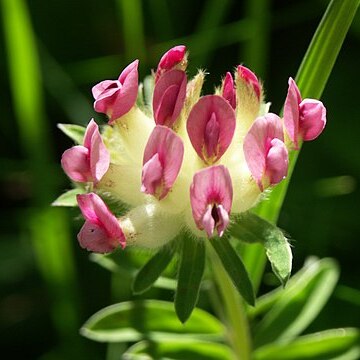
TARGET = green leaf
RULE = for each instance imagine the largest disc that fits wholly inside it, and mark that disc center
(299, 304)
(179, 350)
(68, 198)
(333, 344)
(152, 270)
(74, 132)
(252, 228)
(235, 268)
(191, 270)
(150, 319)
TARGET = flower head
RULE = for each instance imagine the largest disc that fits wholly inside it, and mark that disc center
(189, 164)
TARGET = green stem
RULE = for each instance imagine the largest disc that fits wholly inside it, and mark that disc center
(234, 310)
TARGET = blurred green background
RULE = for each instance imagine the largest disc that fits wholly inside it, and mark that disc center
(53, 52)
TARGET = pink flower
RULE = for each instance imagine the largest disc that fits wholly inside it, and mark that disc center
(229, 92)
(172, 59)
(87, 163)
(169, 97)
(115, 98)
(210, 126)
(303, 119)
(265, 152)
(211, 198)
(162, 161)
(101, 232)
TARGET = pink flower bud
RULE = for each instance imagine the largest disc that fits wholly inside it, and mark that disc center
(303, 119)
(229, 92)
(211, 199)
(101, 232)
(249, 78)
(115, 98)
(173, 58)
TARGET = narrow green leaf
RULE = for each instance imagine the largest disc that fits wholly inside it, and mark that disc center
(152, 270)
(235, 268)
(74, 132)
(299, 304)
(266, 301)
(252, 228)
(191, 270)
(333, 344)
(150, 319)
(68, 198)
(179, 350)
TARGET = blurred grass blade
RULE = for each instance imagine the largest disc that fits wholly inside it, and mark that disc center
(251, 228)
(74, 132)
(131, 18)
(333, 344)
(179, 350)
(298, 305)
(255, 49)
(212, 16)
(48, 226)
(191, 270)
(152, 270)
(234, 267)
(151, 319)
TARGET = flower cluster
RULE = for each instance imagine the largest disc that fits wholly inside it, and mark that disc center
(178, 160)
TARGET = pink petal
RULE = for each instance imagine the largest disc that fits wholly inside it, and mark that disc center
(223, 221)
(75, 162)
(163, 155)
(126, 97)
(291, 112)
(229, 92)
(94, 238)
(211, 199)
(250, 78)
(97, 213)
(105, 100)
(170, 59)
(169, 97)
(208, 222)
(277, 161)
(91, 128)
(116, 97)
(312, 119)
(99, 156)
(257, 144)
(211, 121)
(152, 174)
(99, 88)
